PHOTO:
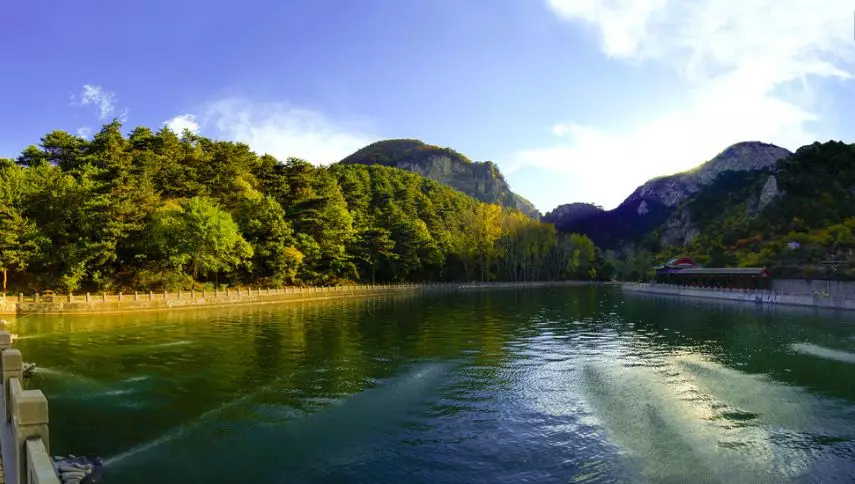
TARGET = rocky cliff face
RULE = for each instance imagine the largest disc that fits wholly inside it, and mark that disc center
(654, 205)
(674, 189)
(480, 180)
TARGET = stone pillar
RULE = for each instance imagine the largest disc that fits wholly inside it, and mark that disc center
(13, 367)
(203, 294)
(151, 295)
(103, 296)
(20, 297)
(228, 291)
(88, 298)
(36, 297)
(120, 296)
(5, 337)
(179, 294)
(30, 422)
(136, 296)
(165, 295)
(70, 297)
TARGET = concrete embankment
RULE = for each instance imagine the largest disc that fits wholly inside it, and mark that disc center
(150, 301)
(818, 299)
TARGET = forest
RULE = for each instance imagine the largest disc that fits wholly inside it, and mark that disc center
(162, 211)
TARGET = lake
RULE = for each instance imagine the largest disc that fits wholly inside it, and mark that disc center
(561, 384)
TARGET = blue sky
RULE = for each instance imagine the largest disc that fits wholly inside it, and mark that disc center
(576, 100)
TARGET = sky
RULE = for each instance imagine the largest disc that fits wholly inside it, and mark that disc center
(575, 100)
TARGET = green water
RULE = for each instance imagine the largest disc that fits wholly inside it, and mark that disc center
(571, 384)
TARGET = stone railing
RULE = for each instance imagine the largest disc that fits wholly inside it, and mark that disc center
(103, 302)
(24, 436)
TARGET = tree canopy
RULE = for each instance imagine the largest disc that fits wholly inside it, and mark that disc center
(158, 210)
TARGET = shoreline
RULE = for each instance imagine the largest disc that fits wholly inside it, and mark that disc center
(816, 300)
(151, 302)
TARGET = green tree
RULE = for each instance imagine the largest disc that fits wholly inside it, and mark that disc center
(198, 236)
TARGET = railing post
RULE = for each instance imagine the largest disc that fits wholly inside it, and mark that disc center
(30, 422)
(13, 367)
(40, 468)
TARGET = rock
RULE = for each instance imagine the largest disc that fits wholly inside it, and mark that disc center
(642, 207)
(768, 193)
(758, 202)
(679, 230)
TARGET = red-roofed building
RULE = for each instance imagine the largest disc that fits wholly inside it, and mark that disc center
(683, 271)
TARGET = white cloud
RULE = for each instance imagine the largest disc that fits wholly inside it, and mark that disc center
(84, 132)
(103, 100)
(284, 131)
(738, 60)
(184, 121)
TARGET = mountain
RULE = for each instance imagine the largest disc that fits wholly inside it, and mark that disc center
(571, 214)
(654, 204)
(795, 217)
(480, 180)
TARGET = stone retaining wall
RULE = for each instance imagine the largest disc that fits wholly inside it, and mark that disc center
(816, 299)
(151, 301)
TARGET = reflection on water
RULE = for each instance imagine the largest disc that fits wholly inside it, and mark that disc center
(573, 384)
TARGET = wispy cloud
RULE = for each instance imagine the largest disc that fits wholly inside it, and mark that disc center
(181, 122)
(740, 62)
(95, 95)
(84, 132)
(282, 130)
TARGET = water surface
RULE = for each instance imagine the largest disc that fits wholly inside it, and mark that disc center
(571, 384)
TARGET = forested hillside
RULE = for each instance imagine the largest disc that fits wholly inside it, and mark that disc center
(480, 180)
(162, 211)
(796, 217)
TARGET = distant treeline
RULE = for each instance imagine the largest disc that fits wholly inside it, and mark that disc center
(162, 211)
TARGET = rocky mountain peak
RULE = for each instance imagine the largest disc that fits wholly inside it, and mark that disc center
(747, 155)
(673, 189)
